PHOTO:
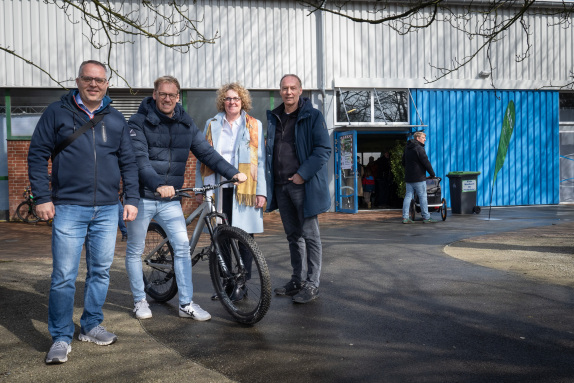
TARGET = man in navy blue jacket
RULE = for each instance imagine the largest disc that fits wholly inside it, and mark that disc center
(163, 135)
(298, 148)
(83, 201)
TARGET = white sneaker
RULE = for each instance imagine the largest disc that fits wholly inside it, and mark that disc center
(193, 310)
(142, 310)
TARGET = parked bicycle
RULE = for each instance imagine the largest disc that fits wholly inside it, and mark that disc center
(226, 267)
(26, 211)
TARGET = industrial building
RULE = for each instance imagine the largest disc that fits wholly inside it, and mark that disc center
(374, 85)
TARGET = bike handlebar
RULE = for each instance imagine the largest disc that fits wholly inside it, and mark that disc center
(201, 190)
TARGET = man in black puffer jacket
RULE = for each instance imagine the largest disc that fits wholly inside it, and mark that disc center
(162, 136)
(416, 165)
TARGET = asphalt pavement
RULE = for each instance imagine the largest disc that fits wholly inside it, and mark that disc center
(393, 307)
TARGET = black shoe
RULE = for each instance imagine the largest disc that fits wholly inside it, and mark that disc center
(124, 237)
(291, 288)
(307, 294)
(239, 293)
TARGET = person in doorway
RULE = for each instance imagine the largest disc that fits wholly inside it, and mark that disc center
(416, 165)
(383, 180)
(83, 201)
(162, 135)
(297, 151)
(368, 186)
(238, 137)
(360, 175)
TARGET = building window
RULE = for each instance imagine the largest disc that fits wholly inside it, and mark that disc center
(566, 107)
(377, 106)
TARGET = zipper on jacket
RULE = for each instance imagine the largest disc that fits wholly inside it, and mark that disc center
(169, 162)
(104, 134)
(95, 165)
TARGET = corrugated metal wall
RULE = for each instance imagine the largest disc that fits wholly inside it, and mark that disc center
(383, 58)
(463, 134)
(261, 40)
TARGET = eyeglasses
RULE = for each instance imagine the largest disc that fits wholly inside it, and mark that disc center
(231, 99)
(172, 96)
(88, 80)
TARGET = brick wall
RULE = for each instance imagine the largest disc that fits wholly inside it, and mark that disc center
(189, 204)
(18, 176)
(17, 173)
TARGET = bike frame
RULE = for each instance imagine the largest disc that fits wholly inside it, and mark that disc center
(206, 213)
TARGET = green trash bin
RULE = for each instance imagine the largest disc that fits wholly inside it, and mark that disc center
(463, 186)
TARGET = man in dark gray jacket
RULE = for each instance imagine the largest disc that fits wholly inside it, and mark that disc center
(163, 135)
(416, 165)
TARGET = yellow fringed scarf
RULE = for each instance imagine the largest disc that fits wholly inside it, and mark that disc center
(245, 192)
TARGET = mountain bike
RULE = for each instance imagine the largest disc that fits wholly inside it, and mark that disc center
(228, 273)
(26, 211)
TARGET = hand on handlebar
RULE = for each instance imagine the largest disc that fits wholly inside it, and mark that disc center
(240, 177)
(166, 191)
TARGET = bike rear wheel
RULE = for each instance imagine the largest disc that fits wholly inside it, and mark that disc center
(232, 276)
(26, 212)
(158, 271)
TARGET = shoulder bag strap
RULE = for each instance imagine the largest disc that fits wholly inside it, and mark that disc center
(62, 145)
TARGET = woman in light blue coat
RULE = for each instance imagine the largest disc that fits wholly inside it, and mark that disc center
(238, 137)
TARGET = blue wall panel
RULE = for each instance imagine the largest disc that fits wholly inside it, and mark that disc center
(463, 134)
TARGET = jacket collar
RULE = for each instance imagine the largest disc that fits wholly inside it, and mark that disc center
(69, 101)
(304, 107)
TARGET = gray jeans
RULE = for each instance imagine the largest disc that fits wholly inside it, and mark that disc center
(302, 233)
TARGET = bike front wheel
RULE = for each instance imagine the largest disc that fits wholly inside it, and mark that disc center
(158, 271)
(240, 275)
(25, 211)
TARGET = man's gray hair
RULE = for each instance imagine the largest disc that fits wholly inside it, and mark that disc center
(91, 62)
(291, 75)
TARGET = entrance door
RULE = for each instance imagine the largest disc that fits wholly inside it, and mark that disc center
(567, 163)
(346, 170)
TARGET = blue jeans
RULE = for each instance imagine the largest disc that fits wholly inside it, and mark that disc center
(121, 223)
(74, 225)
(421, 189)
(170, 216)
(302, 233)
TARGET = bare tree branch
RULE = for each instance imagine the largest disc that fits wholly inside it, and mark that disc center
(484, 20)
(13, 53)
(110, 24)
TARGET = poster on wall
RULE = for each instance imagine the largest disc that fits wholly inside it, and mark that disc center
(346, 143)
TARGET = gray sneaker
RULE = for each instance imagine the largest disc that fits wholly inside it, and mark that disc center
(307, 294)
(58, 353)
(142, 310)
(98, 335)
